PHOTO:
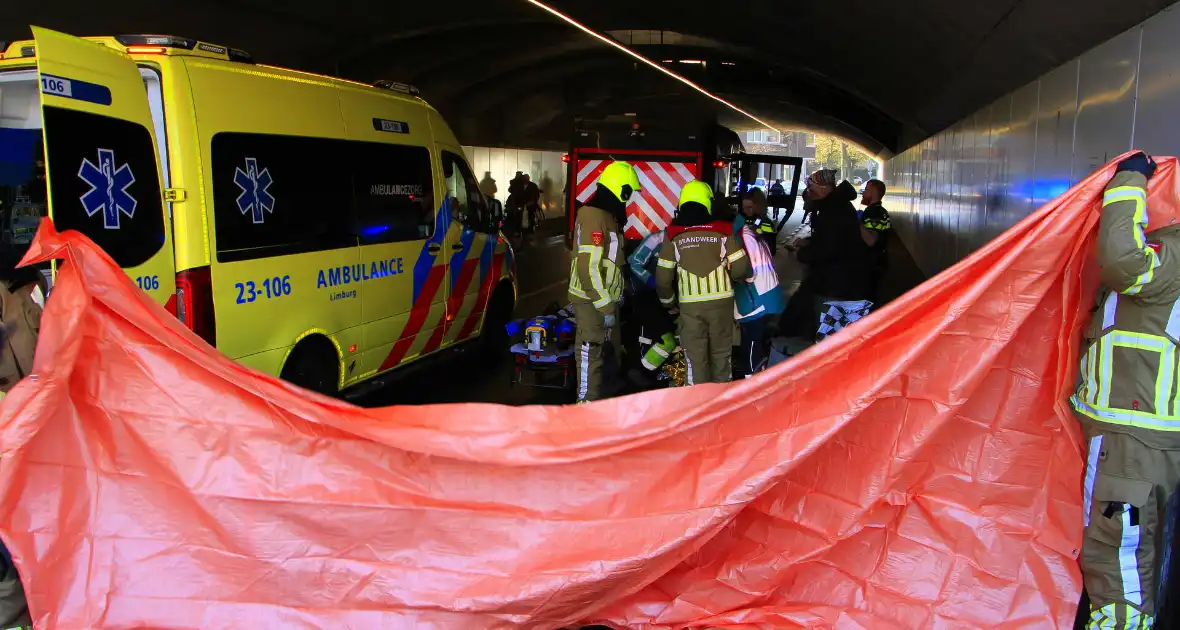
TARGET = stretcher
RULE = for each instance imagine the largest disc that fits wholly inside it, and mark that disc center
(542, 347)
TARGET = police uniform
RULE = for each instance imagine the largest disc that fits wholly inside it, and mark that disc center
(698, 262)
(876, 219)
(596, 278)
(1127, 402)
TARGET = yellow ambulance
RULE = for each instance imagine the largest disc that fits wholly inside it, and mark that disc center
(317, 229)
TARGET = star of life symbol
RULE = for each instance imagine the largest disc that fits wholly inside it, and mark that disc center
(255, 197)
(108, 189)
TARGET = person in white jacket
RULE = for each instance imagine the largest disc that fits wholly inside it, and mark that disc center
(759, 297)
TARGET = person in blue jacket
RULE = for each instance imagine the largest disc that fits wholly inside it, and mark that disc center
(656, 327)
(760, 296)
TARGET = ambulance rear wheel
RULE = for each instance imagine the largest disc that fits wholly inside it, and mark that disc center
(314, 365)
(494, 336)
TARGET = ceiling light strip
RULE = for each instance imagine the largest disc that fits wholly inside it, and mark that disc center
(591, 32)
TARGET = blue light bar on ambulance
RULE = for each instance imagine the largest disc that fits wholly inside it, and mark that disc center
(395, 86)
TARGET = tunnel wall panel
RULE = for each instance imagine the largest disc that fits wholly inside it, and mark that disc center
(1018, 152)
(955, 191)
(1055, 126)
(996, 194)
(1106, 103)
(1156, 130)
(545, 168)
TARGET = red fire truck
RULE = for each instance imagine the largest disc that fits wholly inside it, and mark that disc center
(665, 159)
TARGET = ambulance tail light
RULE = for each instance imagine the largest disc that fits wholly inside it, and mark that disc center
(194, 303)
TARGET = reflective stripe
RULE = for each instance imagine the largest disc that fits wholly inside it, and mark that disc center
(1109, 308)
(694, 299)
(1165, 373)
(647, 365)
(736, 256)
(1127, 417)
(1173, 327)
(1128, 563)
(1134, 617)
(596, 273)
(1146, 277)
(1103, 618)
(660, 351)
(584, 373)
(694, 288)
(1092, 374)
(1165, 379)
(667, 264)
(1091, 475)
(688, 372)
(1139, 196)
(667, 301)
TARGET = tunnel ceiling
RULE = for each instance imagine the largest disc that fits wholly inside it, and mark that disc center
(884, 73)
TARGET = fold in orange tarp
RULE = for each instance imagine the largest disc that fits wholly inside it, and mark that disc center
(920, 470)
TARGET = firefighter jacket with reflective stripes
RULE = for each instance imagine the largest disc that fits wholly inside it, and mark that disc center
(1128, 366)
(596, 269)
(700, 263)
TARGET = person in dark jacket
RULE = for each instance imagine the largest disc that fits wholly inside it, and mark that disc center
(839, 261)
(21, 300)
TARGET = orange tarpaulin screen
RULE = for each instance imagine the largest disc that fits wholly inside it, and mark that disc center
(921, 469)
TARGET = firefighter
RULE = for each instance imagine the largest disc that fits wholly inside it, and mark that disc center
(596, 278)
(698, 263)
(1123, 402)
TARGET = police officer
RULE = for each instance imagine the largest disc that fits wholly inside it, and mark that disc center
(1125, 401)
(596, 278)
(699, 261)
(876, 227)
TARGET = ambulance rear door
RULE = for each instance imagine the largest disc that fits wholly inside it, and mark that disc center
(102, 165)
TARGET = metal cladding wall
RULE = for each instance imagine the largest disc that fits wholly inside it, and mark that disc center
(957, 190)
(545, 168)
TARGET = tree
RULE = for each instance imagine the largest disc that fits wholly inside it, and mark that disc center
(831, 152)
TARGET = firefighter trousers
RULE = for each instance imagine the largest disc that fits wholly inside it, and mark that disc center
(1127, 485)
(592, 334)
(706, 335)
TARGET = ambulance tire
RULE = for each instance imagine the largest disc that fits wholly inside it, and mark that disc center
(494, 335)
(314, 365)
